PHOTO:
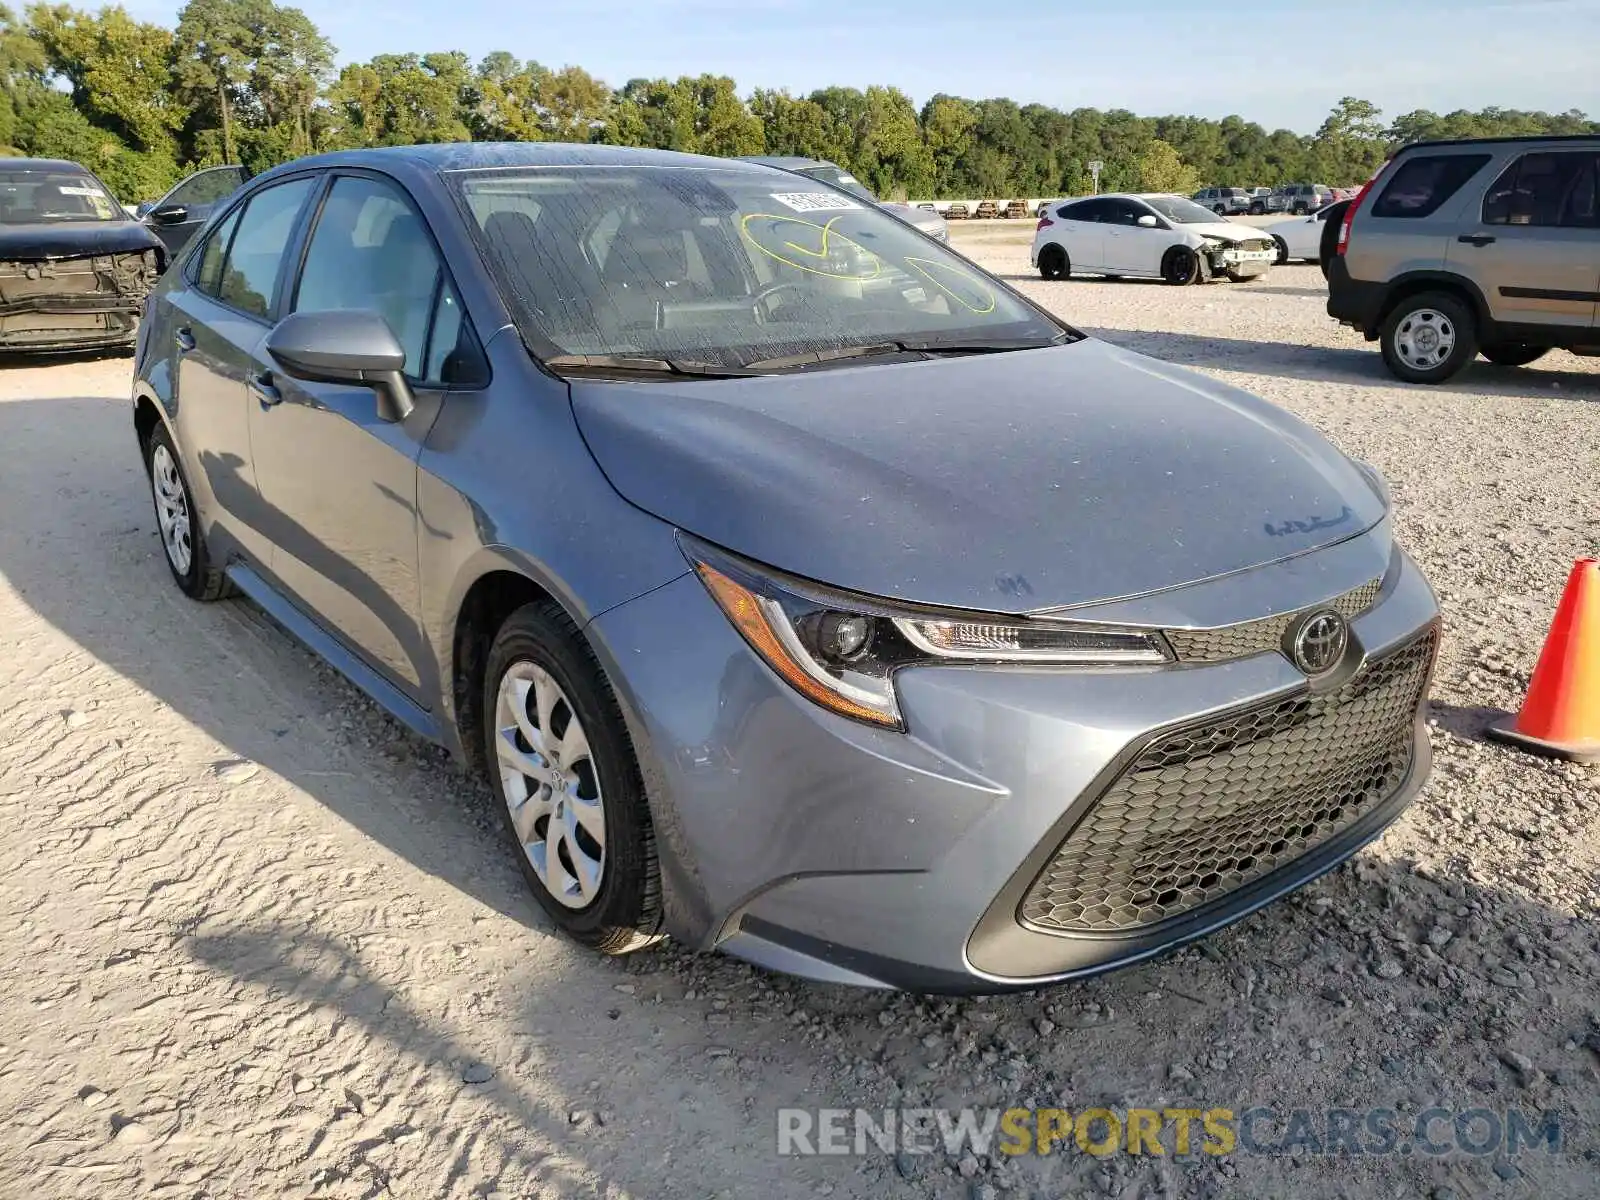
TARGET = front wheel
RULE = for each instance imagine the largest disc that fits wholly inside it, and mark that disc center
(1514, 354)
(1182, 267)
(1054, 263)
(569, 788)
(1283, 249)
(1429, 337)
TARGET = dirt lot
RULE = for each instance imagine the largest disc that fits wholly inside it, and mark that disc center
(256, 941)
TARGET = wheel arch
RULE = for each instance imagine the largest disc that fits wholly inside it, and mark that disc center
(1417, 282)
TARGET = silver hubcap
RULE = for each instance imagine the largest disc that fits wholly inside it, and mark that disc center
(1425, 338)
(172, 509)
(550, 784)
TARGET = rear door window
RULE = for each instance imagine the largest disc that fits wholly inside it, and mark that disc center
(1424, 182)
(208, 275)
(1549, 189)
(250, 274)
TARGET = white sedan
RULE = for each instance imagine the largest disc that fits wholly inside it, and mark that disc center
(1147, 237)
(1299, 238)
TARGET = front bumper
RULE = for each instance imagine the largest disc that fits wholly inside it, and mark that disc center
(815, 845)
(1235, 261)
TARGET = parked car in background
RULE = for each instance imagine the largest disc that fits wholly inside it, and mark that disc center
(1258, 200)
(922, 219)
(175, 217)
(74, 267)
(1299, 198)
(1147, 237)
(605, 469)
(1224, 201)
(1309, 238)
(1483, 246)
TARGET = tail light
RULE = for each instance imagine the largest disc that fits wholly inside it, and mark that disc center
(1350, 213)
(1044, 223)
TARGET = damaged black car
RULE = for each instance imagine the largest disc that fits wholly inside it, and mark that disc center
(74, 267)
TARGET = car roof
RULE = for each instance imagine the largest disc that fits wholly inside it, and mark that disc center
(42, 164)
(472, 156)
(1589, 138)
(784, 162)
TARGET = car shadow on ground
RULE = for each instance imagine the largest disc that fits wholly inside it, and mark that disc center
(1359, 364)
(1228, 1023)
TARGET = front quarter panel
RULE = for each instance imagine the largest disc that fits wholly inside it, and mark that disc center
(506, 483)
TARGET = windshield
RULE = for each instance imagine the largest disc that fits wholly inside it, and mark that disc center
(35, 196)
(729, 267)
(1180, 211)
(840, 178)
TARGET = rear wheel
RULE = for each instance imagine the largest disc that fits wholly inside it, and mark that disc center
(570, 790)
(1514, 354)
(1182, 267)
(1054, 263)
(1429, 337)
(188, 558)
(1220, 210)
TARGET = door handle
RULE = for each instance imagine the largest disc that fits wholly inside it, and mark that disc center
(185, 339)
(1476, 239)
(260, 386)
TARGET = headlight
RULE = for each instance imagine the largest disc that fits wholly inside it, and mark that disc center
(841, 651)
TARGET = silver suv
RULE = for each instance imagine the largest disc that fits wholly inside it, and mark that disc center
(1487, 246)
(1224, 201)
(1300, 198)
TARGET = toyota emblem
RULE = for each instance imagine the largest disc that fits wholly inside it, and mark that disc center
(1319, 642)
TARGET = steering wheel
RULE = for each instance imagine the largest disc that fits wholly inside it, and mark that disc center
(759, 300)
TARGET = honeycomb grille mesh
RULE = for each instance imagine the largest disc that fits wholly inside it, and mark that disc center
(1205, 810)
(1257, 637)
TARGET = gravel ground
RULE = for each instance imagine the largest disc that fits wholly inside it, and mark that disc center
(255, 940)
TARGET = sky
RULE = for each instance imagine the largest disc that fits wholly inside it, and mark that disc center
(1282, 63)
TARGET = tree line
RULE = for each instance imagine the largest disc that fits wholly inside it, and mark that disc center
(255, 82)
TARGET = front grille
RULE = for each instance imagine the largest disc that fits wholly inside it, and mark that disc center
(1205, 810)
(1255, 244)
(1257, 637)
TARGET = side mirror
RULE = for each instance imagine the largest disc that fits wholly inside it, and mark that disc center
(1147, 222)
(171, 214)
(343, 346)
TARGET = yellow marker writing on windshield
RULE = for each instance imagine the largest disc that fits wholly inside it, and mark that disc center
(829, 240)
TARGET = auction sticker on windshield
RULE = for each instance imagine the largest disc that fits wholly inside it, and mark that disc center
(814, 201)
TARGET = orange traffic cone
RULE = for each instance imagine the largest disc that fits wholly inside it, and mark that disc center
(1561, 716)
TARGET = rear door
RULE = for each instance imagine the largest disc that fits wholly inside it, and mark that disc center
(177, 216)
(1533, 245)
(218, 317)
(1082, 233)
(1410, 220)
(340, 481)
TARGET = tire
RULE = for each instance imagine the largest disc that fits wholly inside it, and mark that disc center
(1258, 210)
(620, 908)
(1219, 209)
(1283, 249)
(183, 545)
(1418, 356)
(1298, 210)
(1054, 263)
(1182, 267)
(1513, 354)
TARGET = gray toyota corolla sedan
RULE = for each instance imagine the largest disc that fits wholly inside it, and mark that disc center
(804, 591)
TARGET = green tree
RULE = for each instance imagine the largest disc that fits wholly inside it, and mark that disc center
(402, 99)
(1161, 170)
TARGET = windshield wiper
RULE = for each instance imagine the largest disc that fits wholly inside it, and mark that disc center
(612, 364)
(927, 346)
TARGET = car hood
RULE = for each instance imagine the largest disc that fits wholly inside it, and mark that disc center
(1006, 482)
(73, 239)
(1227, 231)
